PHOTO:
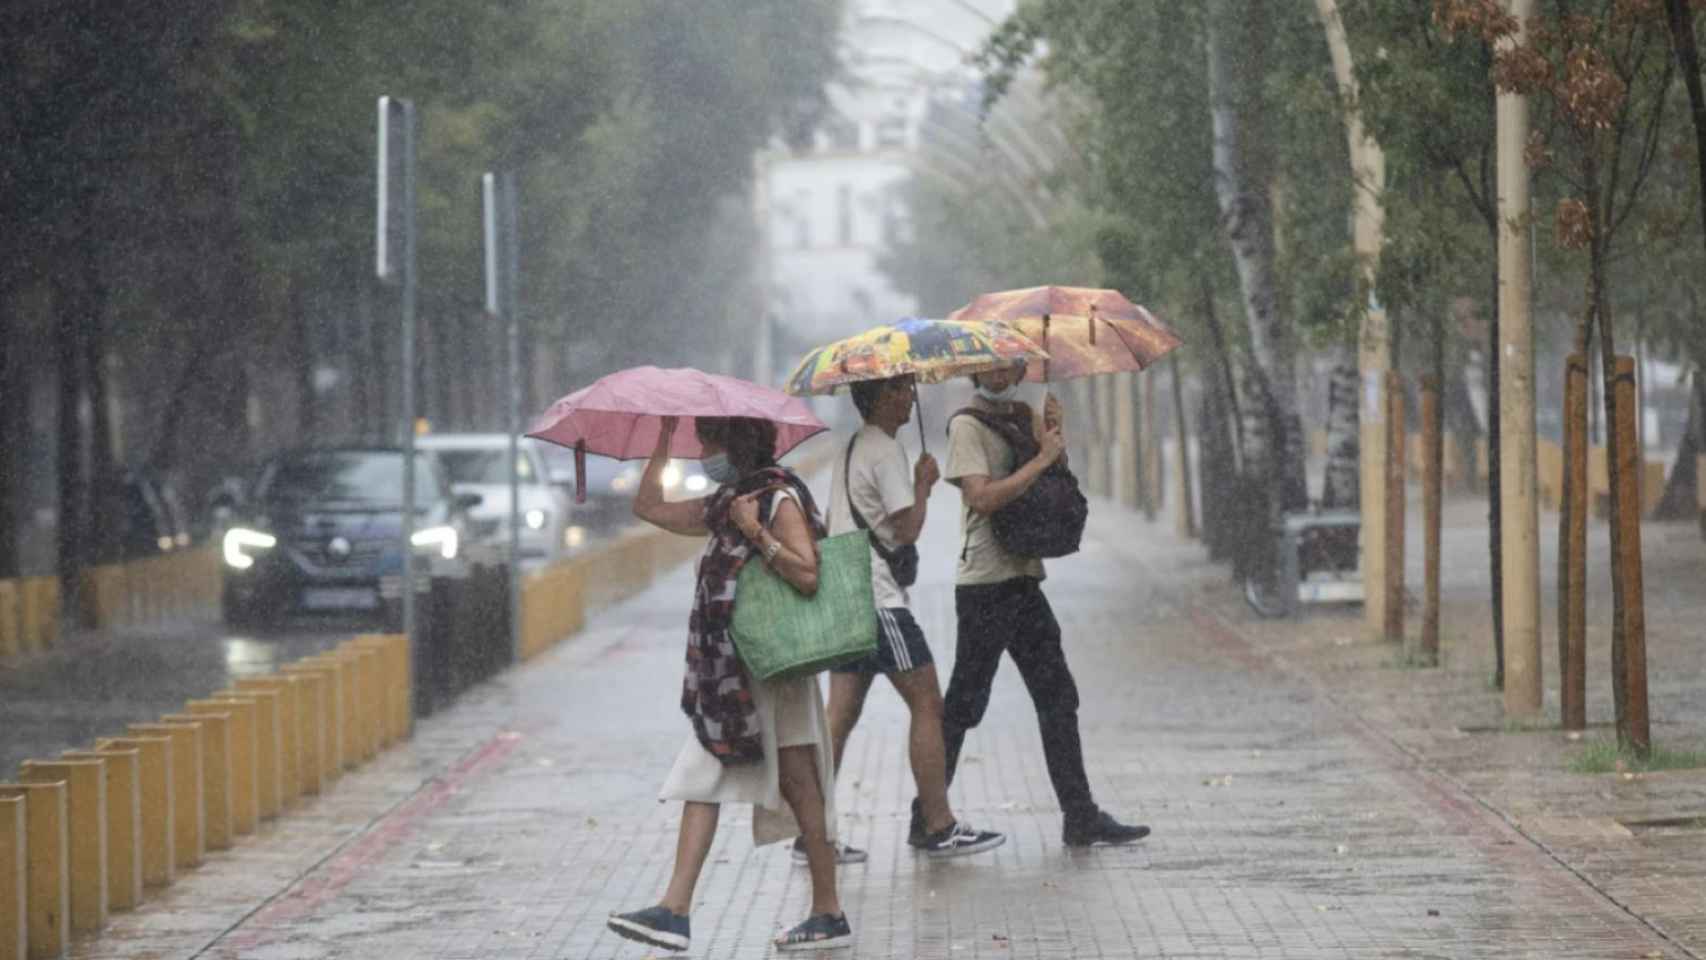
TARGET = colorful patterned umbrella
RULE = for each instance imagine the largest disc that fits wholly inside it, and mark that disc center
(1085, 331)
(930, 350)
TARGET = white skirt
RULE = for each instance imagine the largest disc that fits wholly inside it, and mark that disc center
(790, 714)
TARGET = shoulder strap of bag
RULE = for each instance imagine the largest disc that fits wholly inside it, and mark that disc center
(858, 520)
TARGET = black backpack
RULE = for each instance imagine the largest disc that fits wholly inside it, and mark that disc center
(1047, 520)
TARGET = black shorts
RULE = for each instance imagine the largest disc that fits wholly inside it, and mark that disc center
(900, 646)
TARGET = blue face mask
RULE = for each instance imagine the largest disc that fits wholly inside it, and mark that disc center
(718, 468)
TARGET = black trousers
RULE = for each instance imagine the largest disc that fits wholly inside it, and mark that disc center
(1014, 617)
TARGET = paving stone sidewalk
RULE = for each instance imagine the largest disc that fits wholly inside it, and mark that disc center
(1291, 820)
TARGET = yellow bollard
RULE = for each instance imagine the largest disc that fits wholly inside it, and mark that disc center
(86, 829)
(11, 620)
(124, 822)
(369, 699)
(378, 646)
(189, 824)
(215, 773)
(269, 748)
(341, 695)
(14, 879)
(399, 689)
(157, 789)
(47, 879)
(358, 707)
(311, 723)
(373, 691)
(245, 767)
(331, 674)
(290, 733)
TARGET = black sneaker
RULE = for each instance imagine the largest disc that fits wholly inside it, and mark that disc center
(1103, 829)
(845, 853)
(959, 840)
(654, 926)
(822, 932)
(917, 834)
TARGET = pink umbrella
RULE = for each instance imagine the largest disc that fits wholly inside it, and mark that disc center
(619, 415)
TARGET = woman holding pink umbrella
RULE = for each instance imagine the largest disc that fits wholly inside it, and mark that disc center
(760, 742)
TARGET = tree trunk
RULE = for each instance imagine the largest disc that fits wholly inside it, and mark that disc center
(1680, 501)
(1243, 168)
(1608, 378)
(15, 385)
(307, 402)
(104, 505)
(72, 500)
(1341, 484)
(1681, 20)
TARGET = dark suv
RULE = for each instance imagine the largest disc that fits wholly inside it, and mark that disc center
(321, 528)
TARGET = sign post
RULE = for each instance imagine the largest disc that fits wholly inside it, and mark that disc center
(503, 260)
(395, 263)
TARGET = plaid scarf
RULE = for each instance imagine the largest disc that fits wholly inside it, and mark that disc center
(716, 693)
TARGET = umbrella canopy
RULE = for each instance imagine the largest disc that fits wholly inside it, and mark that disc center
(1086, 331)
(930, 350)
(619, 415)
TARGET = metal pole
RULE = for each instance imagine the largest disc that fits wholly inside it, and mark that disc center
(408, 369)
(512, 336)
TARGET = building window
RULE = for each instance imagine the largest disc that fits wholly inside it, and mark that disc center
(844, 214)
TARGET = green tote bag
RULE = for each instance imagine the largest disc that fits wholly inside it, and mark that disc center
(780, 633)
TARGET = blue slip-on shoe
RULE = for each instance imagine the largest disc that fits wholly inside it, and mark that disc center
(822, 932)
(654, 926)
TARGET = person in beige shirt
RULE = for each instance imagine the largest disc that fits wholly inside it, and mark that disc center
(999, 601)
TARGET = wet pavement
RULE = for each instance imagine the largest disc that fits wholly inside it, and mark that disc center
(94, 684)
(1309, 799)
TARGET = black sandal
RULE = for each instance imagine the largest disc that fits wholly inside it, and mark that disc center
(823, 932)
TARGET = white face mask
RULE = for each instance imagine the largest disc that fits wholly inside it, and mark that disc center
(999, 396)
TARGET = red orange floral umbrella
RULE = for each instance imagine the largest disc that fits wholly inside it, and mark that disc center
(1085, 331)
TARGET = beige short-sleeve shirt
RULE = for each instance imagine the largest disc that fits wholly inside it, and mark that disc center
(976, 450)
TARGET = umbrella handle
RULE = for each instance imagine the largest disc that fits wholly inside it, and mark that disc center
(1045, 346)
(918, 407)
(580, 471)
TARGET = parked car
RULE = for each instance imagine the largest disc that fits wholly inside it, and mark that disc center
(150, 519)
(477, 463)
(610, 485)
(320, 528)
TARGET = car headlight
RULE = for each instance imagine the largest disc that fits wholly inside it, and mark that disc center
(697, 483)
(621, 482)
(240, 539)
(443, 538)
(535, 519)
(574, 536)
(671, 476)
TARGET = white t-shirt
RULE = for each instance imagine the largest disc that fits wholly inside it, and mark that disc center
(976, 450)
(882, 487)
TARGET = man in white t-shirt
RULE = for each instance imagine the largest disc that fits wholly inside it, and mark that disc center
(875, 490)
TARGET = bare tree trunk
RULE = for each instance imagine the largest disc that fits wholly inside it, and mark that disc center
(72, 505)
(1342, 481)
(1681, 20)
(1680, 497)
(15, 383)
(1243, 178)
(103, 528)
(307, 405)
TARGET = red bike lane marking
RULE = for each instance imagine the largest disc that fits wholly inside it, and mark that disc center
(327, 879)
